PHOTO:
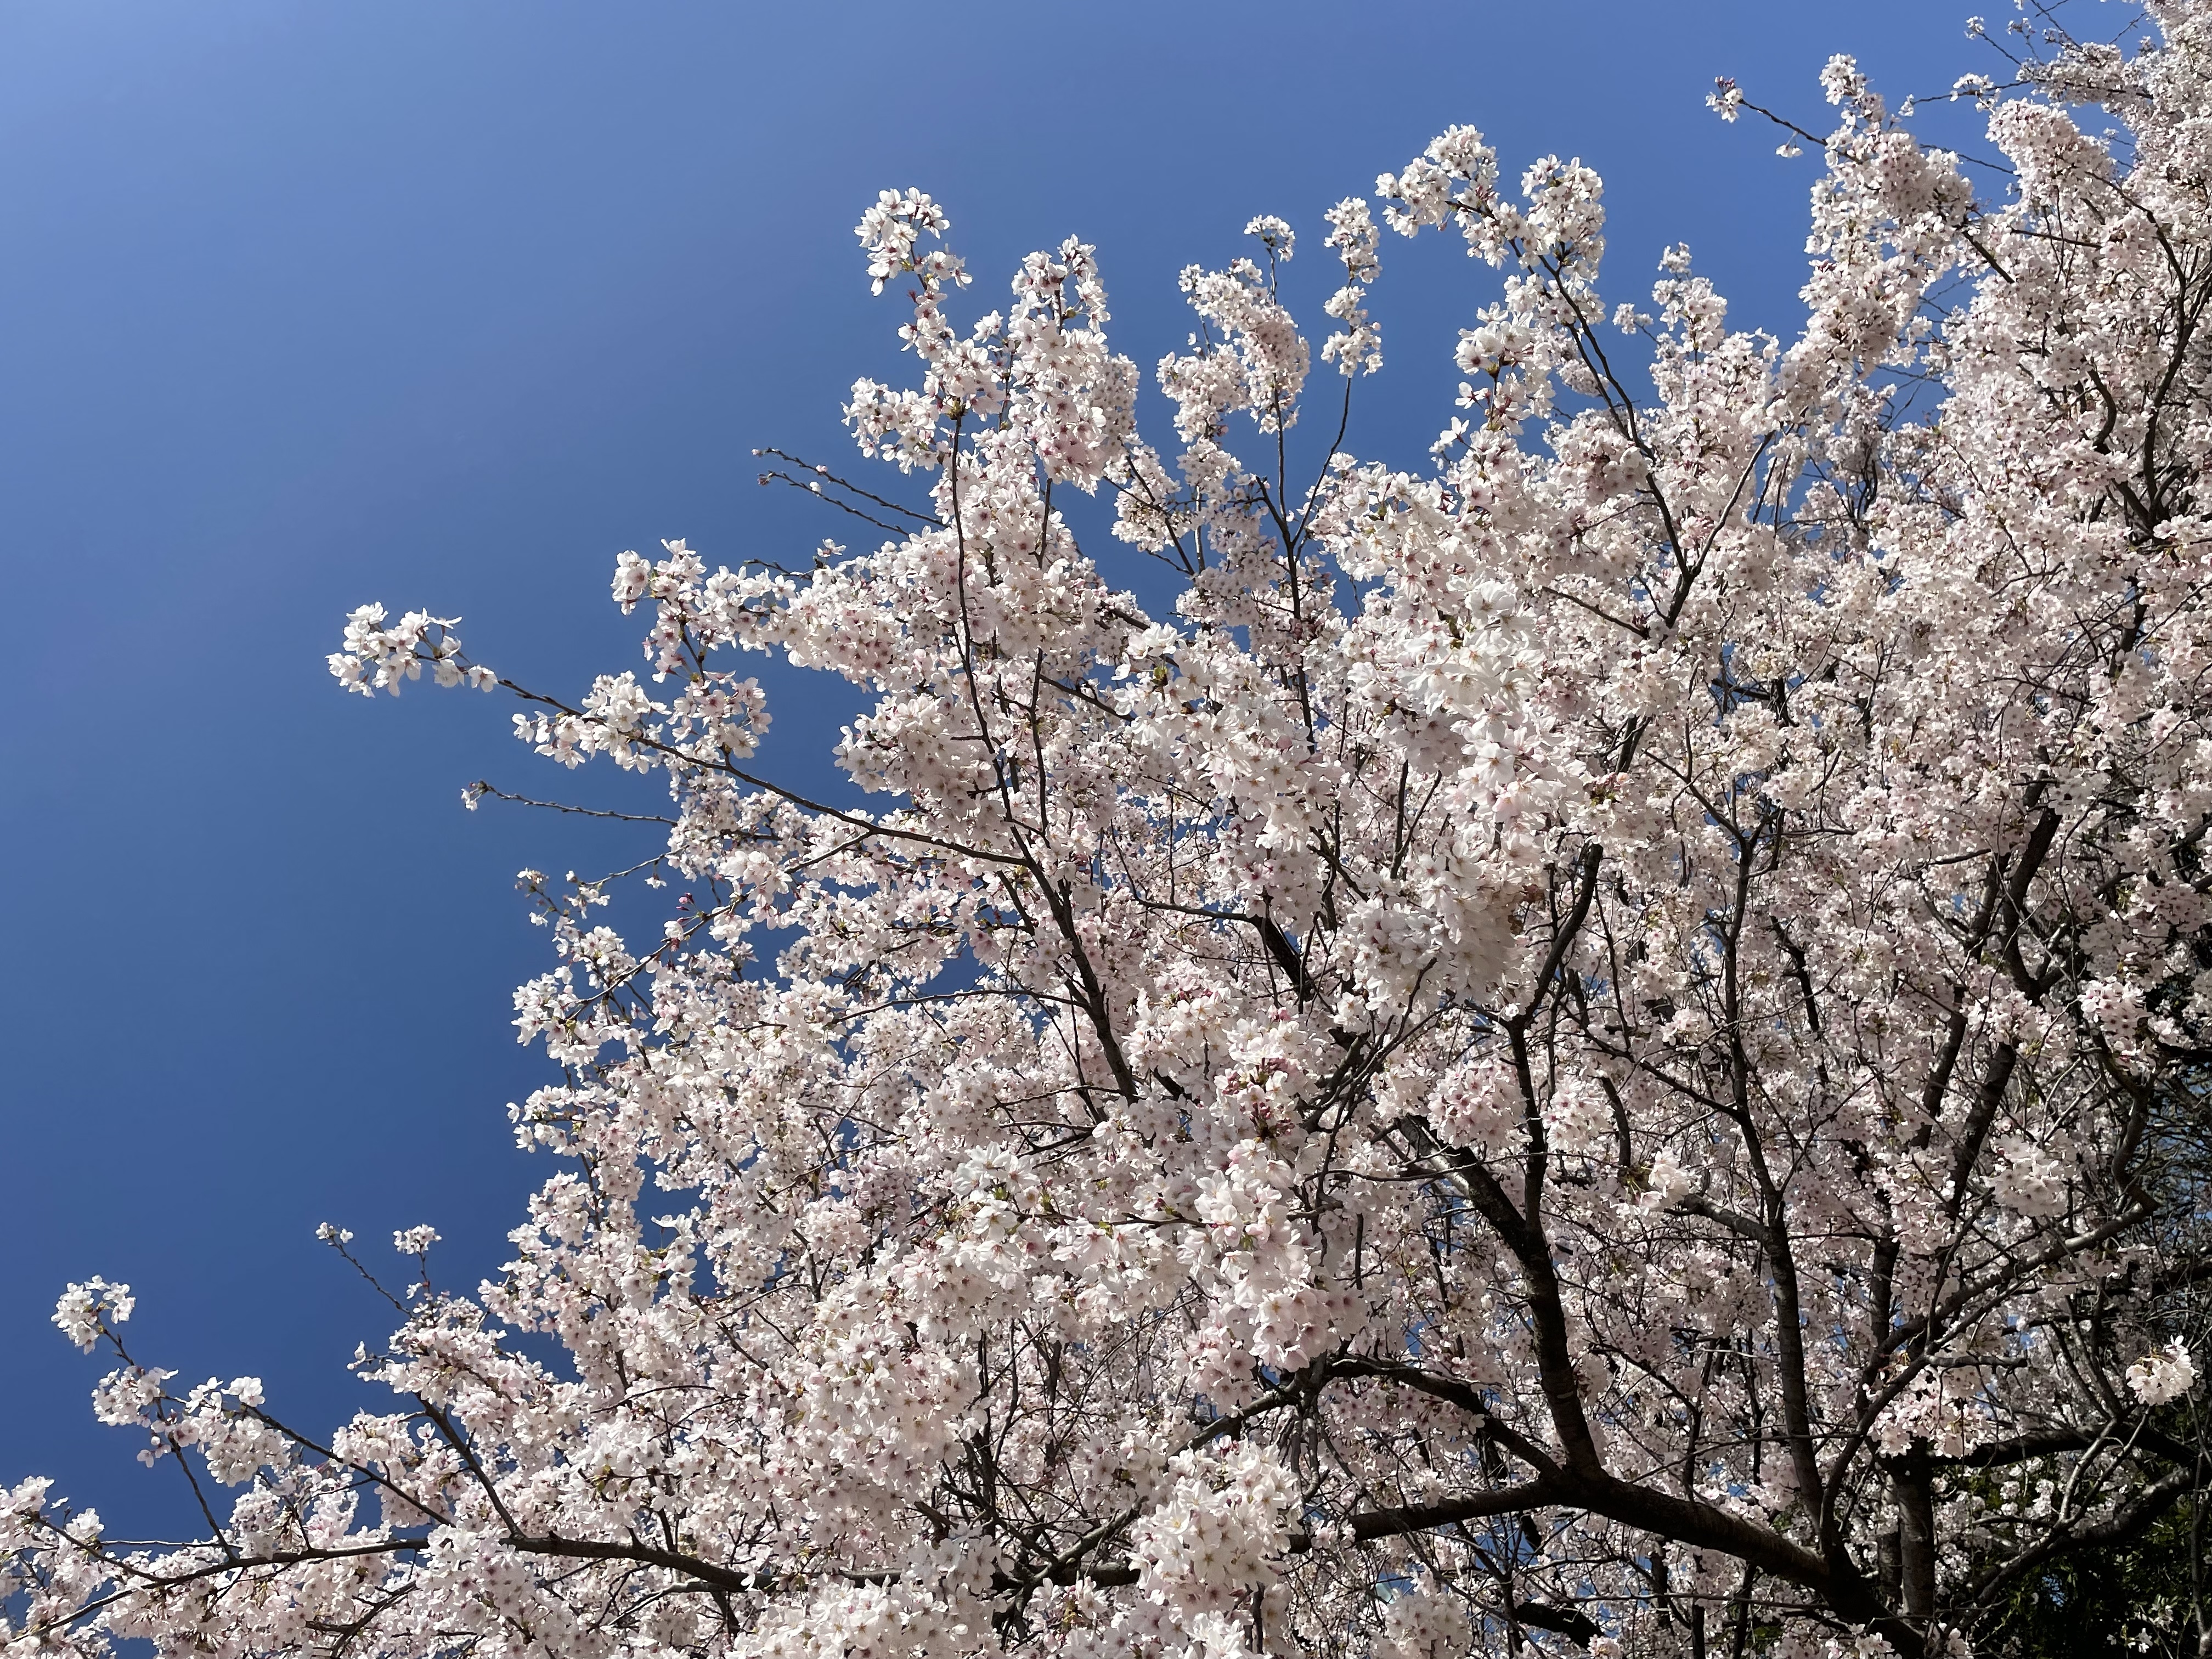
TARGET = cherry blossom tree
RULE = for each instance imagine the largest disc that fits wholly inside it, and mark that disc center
(1601, 1045)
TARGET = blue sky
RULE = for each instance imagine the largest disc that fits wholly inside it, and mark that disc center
(446, 304)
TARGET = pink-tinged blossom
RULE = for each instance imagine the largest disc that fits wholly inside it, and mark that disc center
(2158, 1378)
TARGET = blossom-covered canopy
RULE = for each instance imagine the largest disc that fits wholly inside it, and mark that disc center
(1601, 1044)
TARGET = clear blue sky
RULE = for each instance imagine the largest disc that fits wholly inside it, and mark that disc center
(302, 305)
